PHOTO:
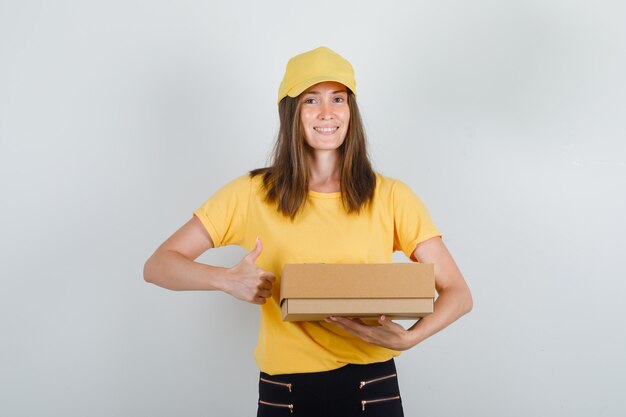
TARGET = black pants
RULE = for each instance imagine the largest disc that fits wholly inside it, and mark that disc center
(354, 390)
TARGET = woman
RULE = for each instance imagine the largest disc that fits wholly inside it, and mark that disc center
(319, 201)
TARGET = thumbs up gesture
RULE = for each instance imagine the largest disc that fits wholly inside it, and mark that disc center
(247, 282)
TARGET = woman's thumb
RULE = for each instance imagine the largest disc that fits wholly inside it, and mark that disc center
(256, 252)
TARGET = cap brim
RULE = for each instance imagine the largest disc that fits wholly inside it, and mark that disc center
(303, 86)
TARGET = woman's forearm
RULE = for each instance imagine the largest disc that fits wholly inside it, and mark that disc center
(246, 281)
(171, 270)
(451, 304)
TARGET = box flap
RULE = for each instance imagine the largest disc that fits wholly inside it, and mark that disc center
(392, 280)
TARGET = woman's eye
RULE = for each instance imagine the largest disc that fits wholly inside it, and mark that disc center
(339, 99)
(309, 101)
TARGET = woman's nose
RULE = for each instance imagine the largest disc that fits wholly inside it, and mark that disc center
(325, 111)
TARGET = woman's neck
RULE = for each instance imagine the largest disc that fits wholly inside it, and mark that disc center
(324, 175)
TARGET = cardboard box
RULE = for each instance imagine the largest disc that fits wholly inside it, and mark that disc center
(310, 292)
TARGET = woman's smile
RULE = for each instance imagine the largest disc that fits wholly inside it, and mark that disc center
(326, 130)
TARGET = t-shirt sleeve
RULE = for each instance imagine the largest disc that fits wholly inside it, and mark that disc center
(412, 221)
(224, 214)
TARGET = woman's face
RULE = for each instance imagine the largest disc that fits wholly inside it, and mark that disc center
(325, 115)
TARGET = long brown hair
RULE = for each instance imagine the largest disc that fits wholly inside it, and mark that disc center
(286, 181)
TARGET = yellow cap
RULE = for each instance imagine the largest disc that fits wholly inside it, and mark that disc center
(312, 67)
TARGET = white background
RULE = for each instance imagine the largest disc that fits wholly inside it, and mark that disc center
(118, 118)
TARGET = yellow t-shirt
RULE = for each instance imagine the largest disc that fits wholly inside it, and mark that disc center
(322, 233)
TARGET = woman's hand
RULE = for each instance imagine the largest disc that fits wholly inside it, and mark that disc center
(386, 334)
(246, 281)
